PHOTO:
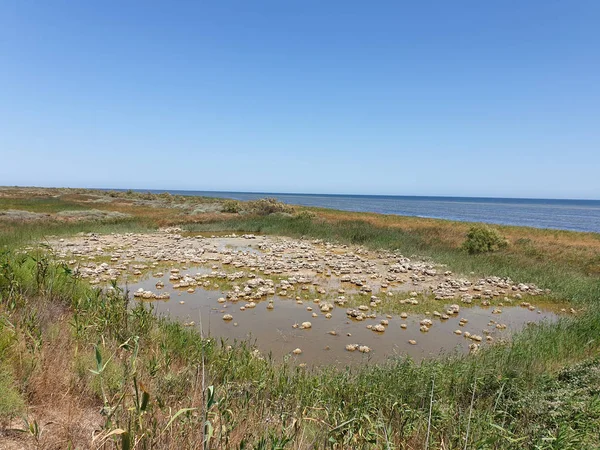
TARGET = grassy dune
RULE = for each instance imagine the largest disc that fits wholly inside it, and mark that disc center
(74, 359)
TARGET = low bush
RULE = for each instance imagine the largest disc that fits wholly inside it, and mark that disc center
(483, 239)
(231, 206)
(267, 206)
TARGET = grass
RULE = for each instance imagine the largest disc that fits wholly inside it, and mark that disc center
(161, 385)
(39, 205)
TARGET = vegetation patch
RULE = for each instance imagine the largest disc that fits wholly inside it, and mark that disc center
(483, 239)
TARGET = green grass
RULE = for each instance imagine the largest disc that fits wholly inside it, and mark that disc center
(13, 235)
(40, 205)
(11, 402)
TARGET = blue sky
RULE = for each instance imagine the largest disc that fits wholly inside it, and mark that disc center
(473, 98)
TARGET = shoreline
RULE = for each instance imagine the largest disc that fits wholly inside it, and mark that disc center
(552, 207)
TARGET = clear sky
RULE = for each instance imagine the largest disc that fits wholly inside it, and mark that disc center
(473, 98)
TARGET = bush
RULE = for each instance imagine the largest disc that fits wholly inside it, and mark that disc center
(231, 206)
(266, 206)
(305, 215)
(483, 239)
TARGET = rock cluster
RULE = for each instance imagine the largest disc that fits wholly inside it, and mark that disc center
(258, 268)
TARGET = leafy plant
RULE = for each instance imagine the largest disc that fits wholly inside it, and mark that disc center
(483, 239)
(231, 206)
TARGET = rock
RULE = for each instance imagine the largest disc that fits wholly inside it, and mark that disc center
(297, 351)
(364, 349)
(351, 347)
(412, 342)
(227, 317)
(306, 325)
(379, 328)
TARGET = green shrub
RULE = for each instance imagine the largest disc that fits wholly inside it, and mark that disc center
(305, 215)
(266, 206)
(231, 206)
(483, 239)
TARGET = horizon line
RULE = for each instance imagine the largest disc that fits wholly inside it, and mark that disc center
(310, 194)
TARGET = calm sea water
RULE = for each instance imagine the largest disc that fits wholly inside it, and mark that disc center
(577, 215)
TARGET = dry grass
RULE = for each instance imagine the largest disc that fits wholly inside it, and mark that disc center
(559, 245)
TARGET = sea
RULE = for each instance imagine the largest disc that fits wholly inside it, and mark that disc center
(575, 215)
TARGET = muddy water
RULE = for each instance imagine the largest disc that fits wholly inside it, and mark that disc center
(272, 330)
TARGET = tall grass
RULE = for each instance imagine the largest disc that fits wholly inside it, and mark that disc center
(15, 234)
(41, 205)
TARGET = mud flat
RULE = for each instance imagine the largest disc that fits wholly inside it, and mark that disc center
(359, 305)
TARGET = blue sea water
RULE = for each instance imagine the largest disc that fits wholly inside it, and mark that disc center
(576, 215)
